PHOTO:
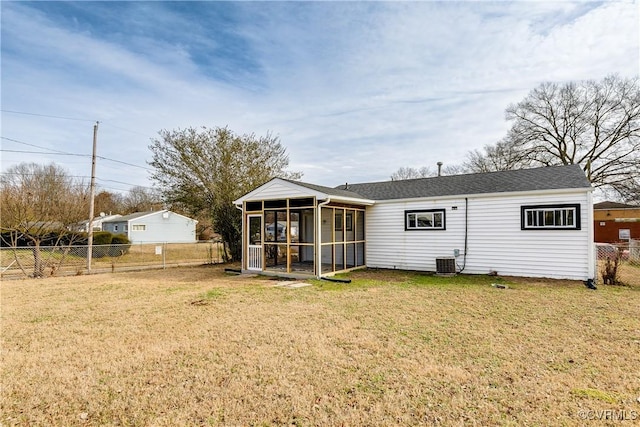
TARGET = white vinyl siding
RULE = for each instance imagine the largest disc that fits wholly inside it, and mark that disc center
(162, 226)
(495, 240)
(281, 190)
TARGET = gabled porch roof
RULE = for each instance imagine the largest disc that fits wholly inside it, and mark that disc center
(279, 188)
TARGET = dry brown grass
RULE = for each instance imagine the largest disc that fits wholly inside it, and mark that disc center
(194, 346)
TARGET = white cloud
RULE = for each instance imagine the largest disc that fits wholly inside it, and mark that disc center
(354, 90)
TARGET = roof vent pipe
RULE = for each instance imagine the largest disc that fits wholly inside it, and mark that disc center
(439, 168)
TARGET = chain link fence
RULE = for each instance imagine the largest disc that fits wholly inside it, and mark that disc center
(618, 263)
(72, 260)
(615, 263)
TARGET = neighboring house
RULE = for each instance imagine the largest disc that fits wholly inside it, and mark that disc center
(97, 222)
(154, 227)
(534, 222)
(616, 222)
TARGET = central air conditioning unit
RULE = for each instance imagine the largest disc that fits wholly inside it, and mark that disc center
(446, 266)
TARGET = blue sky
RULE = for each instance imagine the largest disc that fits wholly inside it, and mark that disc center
(354, 90)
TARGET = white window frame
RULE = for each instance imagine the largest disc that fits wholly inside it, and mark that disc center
(550, 217)
(138, 227)
(412, 219)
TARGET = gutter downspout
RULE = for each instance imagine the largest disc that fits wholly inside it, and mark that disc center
(318, 243)
(466, 234)
(591, 252)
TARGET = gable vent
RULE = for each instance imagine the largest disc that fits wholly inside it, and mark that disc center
(446, 266)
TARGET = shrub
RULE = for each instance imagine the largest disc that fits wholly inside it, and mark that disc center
(102, 238)
(101, 241)
(119, 245)
(610, 271)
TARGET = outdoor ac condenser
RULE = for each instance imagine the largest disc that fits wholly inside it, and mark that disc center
(446, 265)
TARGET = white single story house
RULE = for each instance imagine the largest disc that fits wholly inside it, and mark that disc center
(532, 223)
(154, 227)
(97, 222)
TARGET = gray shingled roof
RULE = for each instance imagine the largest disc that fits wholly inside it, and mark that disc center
(548, 178)
(131, 216)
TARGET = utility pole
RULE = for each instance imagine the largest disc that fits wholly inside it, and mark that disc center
(92, 193)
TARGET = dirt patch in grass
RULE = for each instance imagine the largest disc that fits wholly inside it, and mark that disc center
(195, 346)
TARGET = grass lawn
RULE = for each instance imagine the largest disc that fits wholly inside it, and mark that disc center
(194, 346)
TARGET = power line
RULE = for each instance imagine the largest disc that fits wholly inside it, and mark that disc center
(46, 115)
(124, 183)
(71, 118)
(125, 163)
(80, 176)
(37, 174)
(57, 152)
(44, 152)
(34, 145)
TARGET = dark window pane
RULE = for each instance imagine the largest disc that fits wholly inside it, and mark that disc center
(254, 206)
(273, 204)
(437, 220)
(412, 220)
(298, 203)
(255, 228)
(548, 218)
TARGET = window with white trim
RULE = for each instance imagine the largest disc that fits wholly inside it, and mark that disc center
(138, 227)
(551, 217)
(432, 219)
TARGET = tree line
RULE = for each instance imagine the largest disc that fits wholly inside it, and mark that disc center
(200, 171)
(595, 124)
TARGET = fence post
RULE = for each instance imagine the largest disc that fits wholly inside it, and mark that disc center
(164, 255)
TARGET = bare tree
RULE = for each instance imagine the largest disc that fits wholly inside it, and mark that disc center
(141, 199)
(405, 172)
(205, 169)
(108, 202)
(502, 156)
(40, 203)
(595, 124)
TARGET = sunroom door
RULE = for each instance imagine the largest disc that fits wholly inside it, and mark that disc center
(254, 243)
